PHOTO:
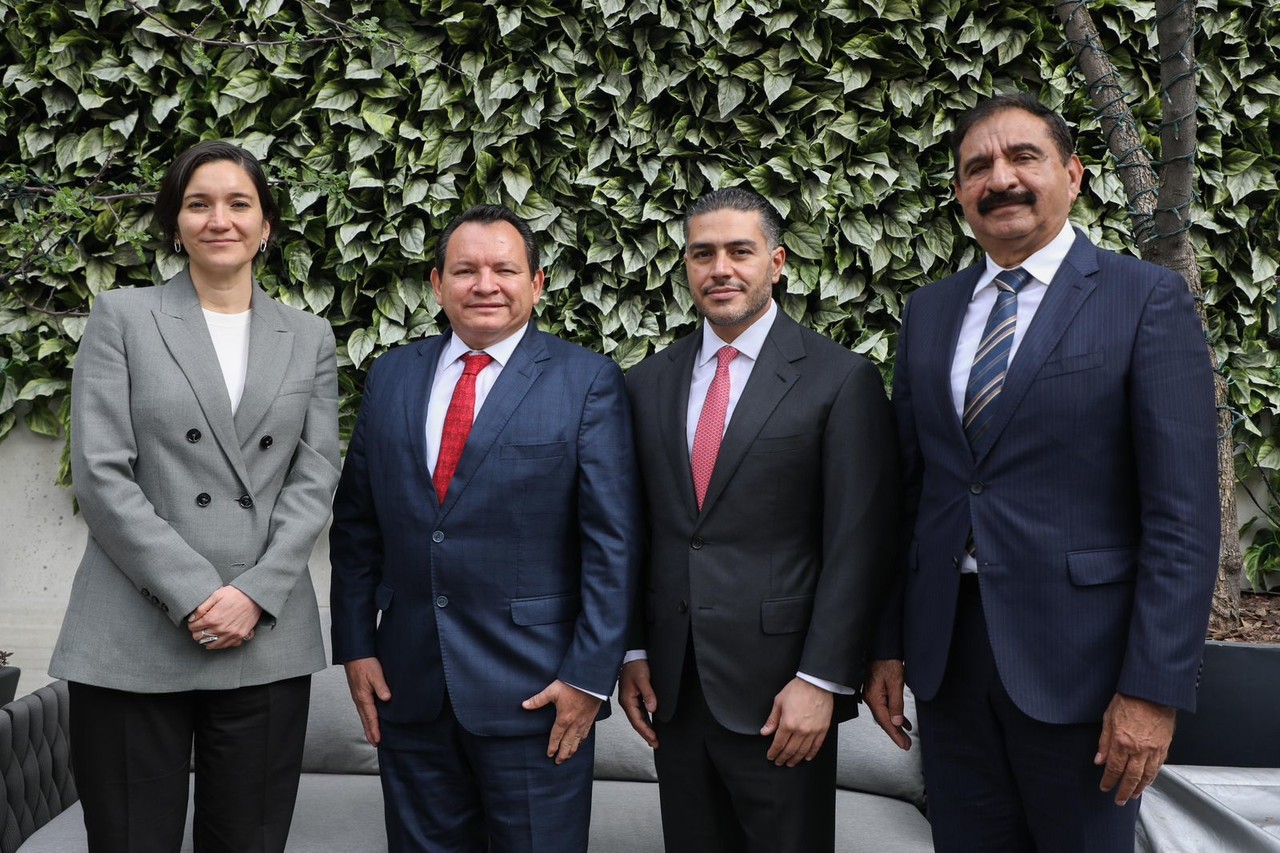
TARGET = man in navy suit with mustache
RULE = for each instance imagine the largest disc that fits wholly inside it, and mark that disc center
(1056, 416)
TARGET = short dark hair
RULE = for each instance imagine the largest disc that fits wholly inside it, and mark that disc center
(488, 214)
(745, 200)
(1059, 131)
(169, 199)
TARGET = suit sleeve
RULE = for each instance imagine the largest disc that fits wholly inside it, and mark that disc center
(355, 543)
(104, 453)
(1174, 434)
(302, 507)
(609, 529)
(886, 642)
(860, 503)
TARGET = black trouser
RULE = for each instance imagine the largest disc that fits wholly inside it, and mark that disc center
(131, 754)
(721, 794)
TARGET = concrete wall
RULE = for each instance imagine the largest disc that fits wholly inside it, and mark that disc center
(41, 540)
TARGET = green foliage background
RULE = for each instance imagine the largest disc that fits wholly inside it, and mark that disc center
(599, 121)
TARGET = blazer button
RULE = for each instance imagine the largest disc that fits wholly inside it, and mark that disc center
(266, 442)
(438, 536)
(976, 488)
(203, 499)
(682, 607)
(146, 593)
(246, 502)
(696, 543)
(193, 435)
(442, 601)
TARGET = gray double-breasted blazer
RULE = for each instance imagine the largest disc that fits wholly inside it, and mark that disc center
(182, 497)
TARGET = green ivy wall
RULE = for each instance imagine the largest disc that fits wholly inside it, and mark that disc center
(599, 121)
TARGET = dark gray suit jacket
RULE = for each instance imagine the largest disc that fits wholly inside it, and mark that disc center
(181, 497)
(781, 570)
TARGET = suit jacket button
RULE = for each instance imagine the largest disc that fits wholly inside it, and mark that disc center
(696, 543)
(438, 536)
(442, 601)
(193, 435)
(682, 607)
(146, 593)
(203, 499)
(266, 442)
(976, 488)
(246, 502)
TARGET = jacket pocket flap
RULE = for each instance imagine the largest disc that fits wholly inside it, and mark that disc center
(545, 450)
(785, 615)
(545, 609)
(1102, 565)
(298, 386)
(1071, 364)
(382, 596)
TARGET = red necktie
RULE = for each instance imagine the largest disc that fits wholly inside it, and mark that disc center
(457, 421)
(706, 439)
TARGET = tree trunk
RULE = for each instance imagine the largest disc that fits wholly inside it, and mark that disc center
(1160, 207)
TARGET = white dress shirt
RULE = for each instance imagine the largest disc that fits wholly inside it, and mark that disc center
(1042, 266)
(748, 344)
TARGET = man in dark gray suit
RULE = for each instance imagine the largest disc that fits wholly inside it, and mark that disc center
(1056, 417)
(768, 458)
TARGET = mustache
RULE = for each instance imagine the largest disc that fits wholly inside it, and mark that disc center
(995, 200)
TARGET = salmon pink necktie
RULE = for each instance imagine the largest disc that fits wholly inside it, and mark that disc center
(457, 421)
(706, 439)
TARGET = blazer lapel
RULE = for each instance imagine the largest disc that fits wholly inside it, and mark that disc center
(771, 379)
(186, 334)
(955, 302)
(416, 396)
(270, 348)
(517, 377)
(1071, 286)
(673, 408)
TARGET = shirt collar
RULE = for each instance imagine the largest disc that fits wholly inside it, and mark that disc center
(1042, 265)
(501, 351)
(749, 343)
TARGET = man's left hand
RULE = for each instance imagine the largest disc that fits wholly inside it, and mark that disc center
(1134, 743)
(798, 722)
(575, 714)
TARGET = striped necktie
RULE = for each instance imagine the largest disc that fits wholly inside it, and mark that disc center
(991, 362)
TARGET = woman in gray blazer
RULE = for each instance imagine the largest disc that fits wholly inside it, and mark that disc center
(204, 439)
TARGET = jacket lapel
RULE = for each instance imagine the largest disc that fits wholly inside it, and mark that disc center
(416, 395)
(673, 409)
(186, 334)
(1071, 286)
(771, 379)
(270, 348)
(955, 302)
(517, 377)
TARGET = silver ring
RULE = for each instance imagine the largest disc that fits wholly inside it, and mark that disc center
(205, 633)
(212, 638)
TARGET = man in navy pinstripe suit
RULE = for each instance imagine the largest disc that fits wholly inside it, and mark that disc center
(1056, 416)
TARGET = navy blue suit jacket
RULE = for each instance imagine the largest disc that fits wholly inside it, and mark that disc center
(527, 572)
(1092, 497)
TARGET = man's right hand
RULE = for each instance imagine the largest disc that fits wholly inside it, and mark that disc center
(638, 701)
(884, 697)
(364, 678)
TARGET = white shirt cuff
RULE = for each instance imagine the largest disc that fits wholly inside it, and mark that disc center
(829, 686)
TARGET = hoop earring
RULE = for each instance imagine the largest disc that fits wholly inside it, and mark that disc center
(177, 247)
(262, 250)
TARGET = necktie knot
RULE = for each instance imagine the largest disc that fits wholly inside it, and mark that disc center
(474, 362)
(724, 355)
(1011, 281)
